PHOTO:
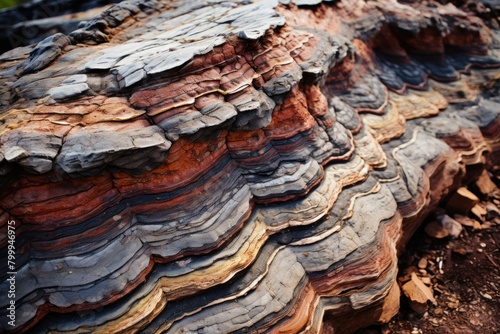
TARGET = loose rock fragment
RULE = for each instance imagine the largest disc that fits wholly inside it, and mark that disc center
(418, 294)
(464, 220)
(462, 201)
(479, 211)
(436, 229)
(485, 185)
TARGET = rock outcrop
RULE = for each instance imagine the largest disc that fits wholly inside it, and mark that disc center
(236, 166)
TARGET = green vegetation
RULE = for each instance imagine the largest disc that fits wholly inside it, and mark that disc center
(10, 3)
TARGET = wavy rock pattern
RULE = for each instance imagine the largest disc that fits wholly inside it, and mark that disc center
(243, 166)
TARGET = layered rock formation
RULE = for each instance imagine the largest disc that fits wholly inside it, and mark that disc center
(243, 166)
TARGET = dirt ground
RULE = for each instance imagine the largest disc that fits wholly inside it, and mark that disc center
(462, 273)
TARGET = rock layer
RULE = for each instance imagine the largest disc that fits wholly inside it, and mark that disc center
(244, 166)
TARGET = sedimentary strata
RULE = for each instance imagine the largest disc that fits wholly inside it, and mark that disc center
(243, 166)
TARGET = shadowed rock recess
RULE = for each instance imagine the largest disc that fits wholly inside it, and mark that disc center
(236, 166)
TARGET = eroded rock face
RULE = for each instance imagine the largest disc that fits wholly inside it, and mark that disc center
(243, 166)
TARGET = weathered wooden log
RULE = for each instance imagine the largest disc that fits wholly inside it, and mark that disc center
(242, 166)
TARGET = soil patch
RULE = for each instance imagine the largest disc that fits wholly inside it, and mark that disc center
(461, 272)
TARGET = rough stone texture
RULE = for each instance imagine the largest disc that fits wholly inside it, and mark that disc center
(243, 166)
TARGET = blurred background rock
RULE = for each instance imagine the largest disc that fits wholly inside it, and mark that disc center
(24, 22)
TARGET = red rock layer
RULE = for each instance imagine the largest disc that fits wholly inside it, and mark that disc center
(240, 167)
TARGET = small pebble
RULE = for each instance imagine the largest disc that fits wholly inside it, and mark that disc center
(422, 264)
(487, 296)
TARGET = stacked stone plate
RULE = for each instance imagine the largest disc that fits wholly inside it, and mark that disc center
(235, 166)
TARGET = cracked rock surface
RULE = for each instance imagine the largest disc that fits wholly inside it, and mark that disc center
(236, 166)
